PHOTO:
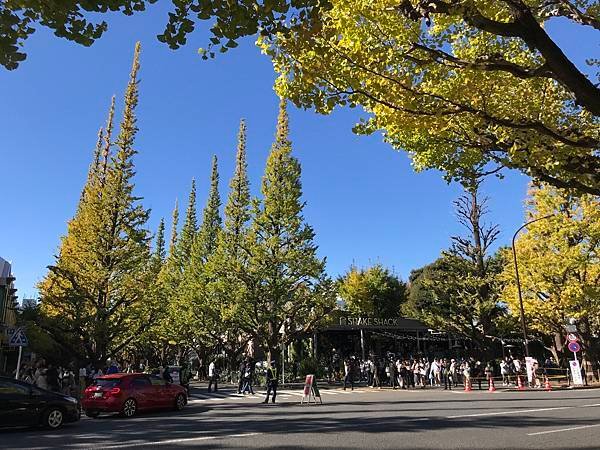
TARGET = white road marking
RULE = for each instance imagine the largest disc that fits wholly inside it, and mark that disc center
(563, 429)
(501, 413)
(179, 441)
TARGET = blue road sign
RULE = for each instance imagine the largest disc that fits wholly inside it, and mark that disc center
(17, 338)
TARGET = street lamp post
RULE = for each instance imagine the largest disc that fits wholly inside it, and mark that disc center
(522, 310)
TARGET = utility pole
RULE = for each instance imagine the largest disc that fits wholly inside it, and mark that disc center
(522, 310)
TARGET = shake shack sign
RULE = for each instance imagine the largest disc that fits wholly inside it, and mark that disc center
(379, 322)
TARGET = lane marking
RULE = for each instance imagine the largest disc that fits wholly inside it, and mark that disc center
(564, 429)
(501, 413)
(179, 441)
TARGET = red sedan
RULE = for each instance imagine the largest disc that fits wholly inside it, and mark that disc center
(128, 393)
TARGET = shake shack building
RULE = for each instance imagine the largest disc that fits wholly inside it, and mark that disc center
(350, 335)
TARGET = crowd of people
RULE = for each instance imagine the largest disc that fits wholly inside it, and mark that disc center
(71, 381)
(406, 373)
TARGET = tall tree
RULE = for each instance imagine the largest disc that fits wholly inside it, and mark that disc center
(374, 291)
(286, 290)
(559, 267)
(174, 225)
(197, 315)
(183, 249)
(228, 263)
(206, 240)
(460, 85)
(461, 291)
(93, 294)
(160, 253)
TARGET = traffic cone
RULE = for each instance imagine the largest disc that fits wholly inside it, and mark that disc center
(547, 385)
(520, 386)
(492, 388)
(468, 385)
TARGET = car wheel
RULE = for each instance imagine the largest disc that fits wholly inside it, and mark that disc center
(53, 418)
(92, 414)
(180, 402)
(129, 408)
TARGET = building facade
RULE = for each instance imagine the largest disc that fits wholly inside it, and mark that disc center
(8, 306)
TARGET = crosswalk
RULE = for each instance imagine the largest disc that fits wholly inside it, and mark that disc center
(228, 396)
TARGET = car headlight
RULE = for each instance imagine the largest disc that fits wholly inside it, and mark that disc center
(71, 399)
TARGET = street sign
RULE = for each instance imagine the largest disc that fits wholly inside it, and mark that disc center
(574, 347)
(17, 338)
(572, 337)
(576, 372)
(571, 328)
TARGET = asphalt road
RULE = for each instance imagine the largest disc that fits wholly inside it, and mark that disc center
(363, 419)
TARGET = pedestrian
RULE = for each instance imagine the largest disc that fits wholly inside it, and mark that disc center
(112, 367)
(53, 378)
(466, 372)
(248, 377)
(272, 382)
(376, 379)
(489, 373)
(242, 372)
(213, 376)
(184, 376)
(167, 375)
(41, 380)
(369, 368)
(392, 372)
(348, 375)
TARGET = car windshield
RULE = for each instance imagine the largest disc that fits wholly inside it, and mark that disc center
(107, 383)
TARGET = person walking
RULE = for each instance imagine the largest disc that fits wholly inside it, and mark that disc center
(489, 374)
(213, 376)
(241, 374)
(248, 377)
(272, 382)
(392, 371)
(53, 378)
(184, 376)
(348, 375)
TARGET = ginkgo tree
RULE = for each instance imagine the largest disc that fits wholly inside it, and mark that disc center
(467, 87)
(559, 266)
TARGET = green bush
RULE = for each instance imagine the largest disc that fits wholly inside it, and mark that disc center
(310, 366)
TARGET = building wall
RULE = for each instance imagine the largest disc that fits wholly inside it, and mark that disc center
(8, 303)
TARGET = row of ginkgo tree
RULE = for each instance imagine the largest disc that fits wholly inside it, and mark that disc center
(251, 275)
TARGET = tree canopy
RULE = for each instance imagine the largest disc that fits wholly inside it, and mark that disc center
(466, 87)
(374, 291)
(93, 295)
(461, 291)
(559, 264)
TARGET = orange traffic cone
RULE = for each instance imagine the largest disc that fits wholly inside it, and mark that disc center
(520, 386)
(547, 385)
(492, 388)
(468, 385)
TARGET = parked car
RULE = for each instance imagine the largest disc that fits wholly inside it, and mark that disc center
(23, 404)
(128, 393)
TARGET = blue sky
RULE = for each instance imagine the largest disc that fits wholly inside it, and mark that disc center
(363, 199)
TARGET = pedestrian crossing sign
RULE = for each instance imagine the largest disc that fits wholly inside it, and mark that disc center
(17, 338)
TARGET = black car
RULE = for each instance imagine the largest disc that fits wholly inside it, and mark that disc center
(22, 404)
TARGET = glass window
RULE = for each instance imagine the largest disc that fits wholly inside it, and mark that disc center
(141, 382)
(156, 381)
(106, 383)
(8, 388)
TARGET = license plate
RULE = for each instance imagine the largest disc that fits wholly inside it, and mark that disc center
(97, 394)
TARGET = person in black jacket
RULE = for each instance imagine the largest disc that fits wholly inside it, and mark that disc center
(272, 382)
(241, 375)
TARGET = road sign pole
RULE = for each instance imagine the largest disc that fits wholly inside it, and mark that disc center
(19, 362)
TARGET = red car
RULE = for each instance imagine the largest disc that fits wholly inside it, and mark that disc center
(128, 393)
